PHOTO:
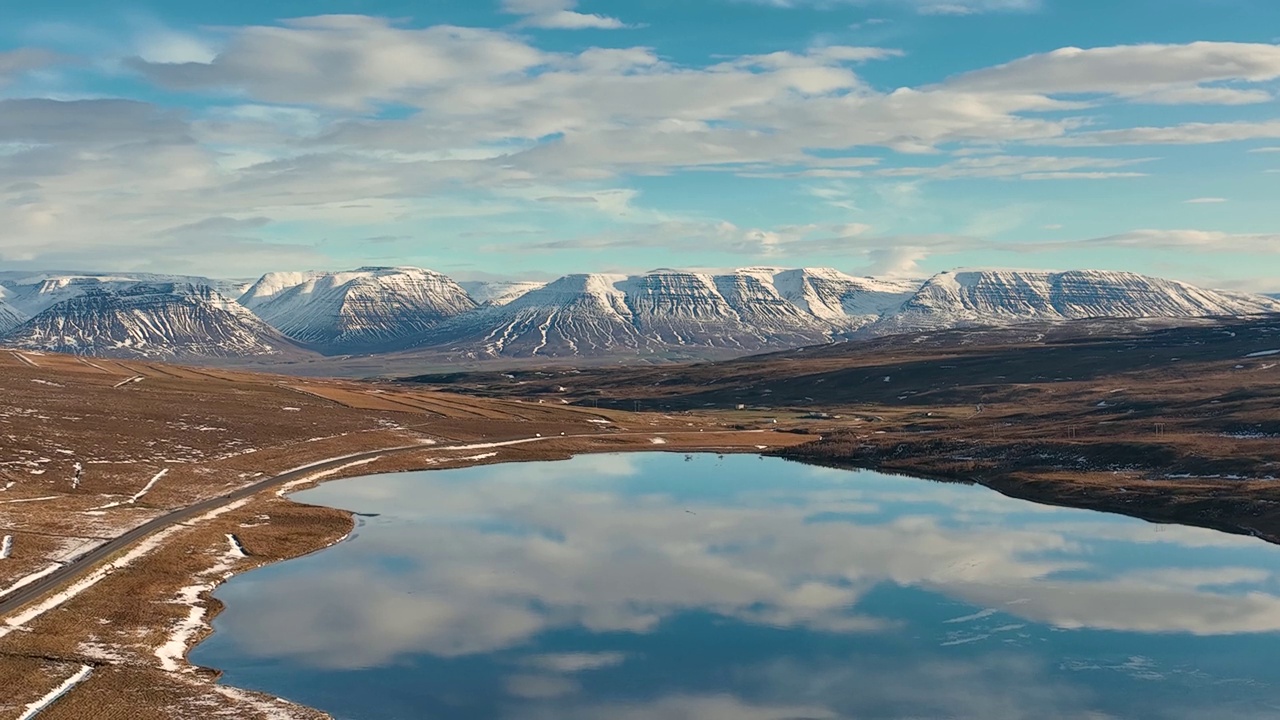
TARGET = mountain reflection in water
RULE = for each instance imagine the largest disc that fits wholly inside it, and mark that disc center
(623, 587)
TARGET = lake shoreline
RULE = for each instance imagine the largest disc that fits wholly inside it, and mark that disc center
(1019, 470)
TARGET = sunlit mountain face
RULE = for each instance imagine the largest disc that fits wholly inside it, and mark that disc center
(717, 588)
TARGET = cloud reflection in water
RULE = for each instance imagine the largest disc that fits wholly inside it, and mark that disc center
(863, 595)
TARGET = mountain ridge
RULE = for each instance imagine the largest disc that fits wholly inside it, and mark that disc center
(659, 315)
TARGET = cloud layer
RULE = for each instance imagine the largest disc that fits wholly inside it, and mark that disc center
(359, 126)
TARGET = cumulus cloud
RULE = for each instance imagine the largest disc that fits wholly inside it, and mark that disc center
(558, 15)
(346, 61)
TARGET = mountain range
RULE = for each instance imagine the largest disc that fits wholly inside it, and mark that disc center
(663, 314)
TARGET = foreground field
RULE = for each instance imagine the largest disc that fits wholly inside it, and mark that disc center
(94, 449)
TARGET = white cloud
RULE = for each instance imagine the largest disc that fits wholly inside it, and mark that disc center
(1204, 201)
(487, 124)
(1153, 73)
(924, 7)
(346, 61)
(576, 662)
(1185, 134)
(1196, 240)
(558, 15)
(1023, 167)
(159, 44)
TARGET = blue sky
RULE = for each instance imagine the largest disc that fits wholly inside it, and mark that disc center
(531, 138)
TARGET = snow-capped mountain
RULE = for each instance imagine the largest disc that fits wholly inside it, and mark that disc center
(655, 315)
(159, 320)
(366, 310)
(665, 313)
(992, 297)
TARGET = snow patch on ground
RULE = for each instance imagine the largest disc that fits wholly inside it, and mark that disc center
(25, 581)
(136, 496)
(1263, 353)
(101, 652)
(269, 709)
(36, 707)
(658, 441)
(285, 488)
(29, 500)
(172, 652)
(142, 549)
(6, 546)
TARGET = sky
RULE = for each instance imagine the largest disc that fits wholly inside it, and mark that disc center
(534, 138)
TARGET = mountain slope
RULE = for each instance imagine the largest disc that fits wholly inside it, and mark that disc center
(575, 315)
(10, 316)
(660, 314)
(985, 297)
(157, 320)
(833, 297)
(366, 310)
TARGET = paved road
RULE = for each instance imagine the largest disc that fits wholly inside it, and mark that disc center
(83, 564)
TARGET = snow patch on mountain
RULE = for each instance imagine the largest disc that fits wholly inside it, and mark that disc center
(499, 293)
(367, 310)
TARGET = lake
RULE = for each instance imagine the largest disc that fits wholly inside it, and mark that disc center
(669, 587)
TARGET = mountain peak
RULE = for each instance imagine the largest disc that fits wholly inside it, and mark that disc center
(366, 310)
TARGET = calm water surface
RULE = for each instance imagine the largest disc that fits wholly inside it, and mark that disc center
(629, 587)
